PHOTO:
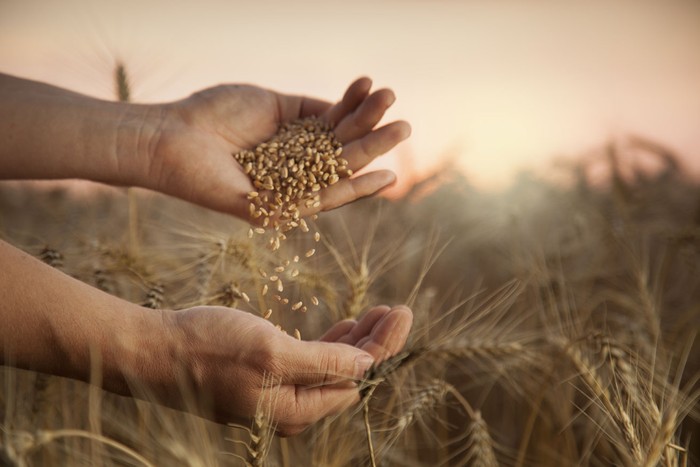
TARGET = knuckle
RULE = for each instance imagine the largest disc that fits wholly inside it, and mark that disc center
(328, 365)
(268, 356)
(367, 117)
(274, 359)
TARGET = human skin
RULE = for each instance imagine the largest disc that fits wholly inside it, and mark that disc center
(56, 324)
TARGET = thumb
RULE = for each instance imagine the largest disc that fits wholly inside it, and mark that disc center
(321, 363)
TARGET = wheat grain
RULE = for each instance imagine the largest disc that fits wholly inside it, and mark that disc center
(262, 427)
(425, 400)
(480, 451)
(103, 281)
(51, 257)
(287, 172)
(155, 296)
(359, 284)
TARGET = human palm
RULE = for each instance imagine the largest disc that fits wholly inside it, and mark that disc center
(193, 155)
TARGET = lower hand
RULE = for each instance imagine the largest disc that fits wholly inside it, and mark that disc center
(227, 353)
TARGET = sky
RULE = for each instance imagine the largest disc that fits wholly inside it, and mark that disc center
(496, 87)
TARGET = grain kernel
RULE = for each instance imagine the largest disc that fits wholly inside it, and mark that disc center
(301, 159)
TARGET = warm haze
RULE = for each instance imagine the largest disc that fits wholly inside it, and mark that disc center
(502, 86)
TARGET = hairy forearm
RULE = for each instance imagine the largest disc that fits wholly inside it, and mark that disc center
(56, 324)
(50, 133)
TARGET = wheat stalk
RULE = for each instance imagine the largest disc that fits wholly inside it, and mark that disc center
(480, 445)
(425, 400)
(615, 411)
(661, 443)
(262, 427)
(471, 349)
(31, 442)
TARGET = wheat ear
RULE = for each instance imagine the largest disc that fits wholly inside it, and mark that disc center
(616, 412)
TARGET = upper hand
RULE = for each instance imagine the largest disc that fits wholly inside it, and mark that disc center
(228, 352)
(193, 154)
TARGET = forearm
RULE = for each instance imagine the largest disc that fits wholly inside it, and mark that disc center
(49, 133)
(56, 324)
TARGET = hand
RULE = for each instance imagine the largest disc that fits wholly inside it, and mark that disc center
(227, 352)
(192, 158)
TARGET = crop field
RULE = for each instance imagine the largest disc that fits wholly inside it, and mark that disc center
(555, 324)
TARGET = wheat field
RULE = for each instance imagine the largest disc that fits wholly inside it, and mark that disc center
(554, 324)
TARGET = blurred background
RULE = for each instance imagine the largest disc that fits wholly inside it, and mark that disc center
(494, 87)
(523, 290)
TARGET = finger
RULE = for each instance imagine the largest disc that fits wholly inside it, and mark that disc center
(351, 189)
(365, 117)
(353, 97)
(361, 152)
(389, 335)
(338, 330)
(365, 325)
(322, 363)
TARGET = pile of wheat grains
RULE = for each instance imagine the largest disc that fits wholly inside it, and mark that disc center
(288, 171)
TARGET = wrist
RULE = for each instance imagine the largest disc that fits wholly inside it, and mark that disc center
(53, 133)
(144, 356)
(138, 133)
(132, 346)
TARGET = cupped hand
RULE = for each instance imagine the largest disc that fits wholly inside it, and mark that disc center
(228, 352)
(192, 158)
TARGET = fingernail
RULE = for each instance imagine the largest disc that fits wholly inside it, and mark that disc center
(362, 364)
